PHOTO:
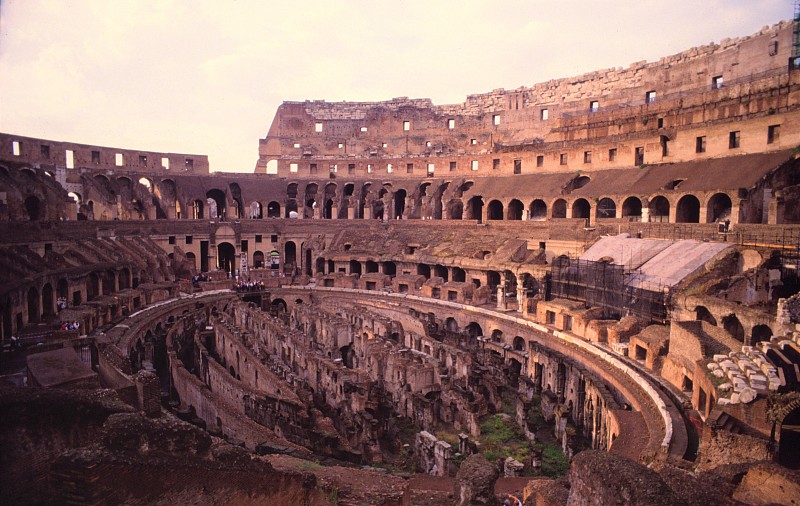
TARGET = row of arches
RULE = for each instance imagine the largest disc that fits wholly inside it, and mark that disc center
(687, 209)
(732, 324)
(427, 200)
(42, 302)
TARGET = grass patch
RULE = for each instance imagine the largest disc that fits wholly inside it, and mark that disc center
(501, 437)
(554, 463)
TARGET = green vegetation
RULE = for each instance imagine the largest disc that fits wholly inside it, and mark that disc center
(508, 403)
(501, 437)
(554, 463)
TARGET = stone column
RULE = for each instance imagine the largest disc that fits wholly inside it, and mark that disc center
(501, 293)
(522, 299)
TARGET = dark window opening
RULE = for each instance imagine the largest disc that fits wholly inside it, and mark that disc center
(258, 238)
(587, 157)
(95, 157)
(773, 133)
(734, 140)
(453, 166)
(351, 168)
(612, 154)
(172, 239)
(495, 164)
(312, 168)
(540, 161)
(563, 159)
(639, 156)
(517, 166)
(716, 82)
(45, 151)
(189, 239)
(773, 48)
(409, 168)
(700, 144)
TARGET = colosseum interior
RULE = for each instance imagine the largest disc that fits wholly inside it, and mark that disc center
(580, 292)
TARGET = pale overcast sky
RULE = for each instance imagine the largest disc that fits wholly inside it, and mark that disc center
(206, 77)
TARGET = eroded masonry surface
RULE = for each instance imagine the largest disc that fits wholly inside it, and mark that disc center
(580, 292)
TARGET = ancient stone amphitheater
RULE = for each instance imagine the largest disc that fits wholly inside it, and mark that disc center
(580, 292)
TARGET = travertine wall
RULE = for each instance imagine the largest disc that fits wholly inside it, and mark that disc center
(71, 155)
(646, 113)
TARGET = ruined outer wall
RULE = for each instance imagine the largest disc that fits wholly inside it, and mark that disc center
(56, 154)
(552, 126)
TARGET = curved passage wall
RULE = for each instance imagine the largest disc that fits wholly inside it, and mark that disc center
(637, 389)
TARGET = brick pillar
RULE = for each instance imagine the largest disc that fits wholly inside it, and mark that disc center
(148, 392)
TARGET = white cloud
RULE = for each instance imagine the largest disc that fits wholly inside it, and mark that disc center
(207, 76)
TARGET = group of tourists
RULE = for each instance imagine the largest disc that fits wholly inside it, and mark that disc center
(249, 286)
(70, 326)
(197, 278)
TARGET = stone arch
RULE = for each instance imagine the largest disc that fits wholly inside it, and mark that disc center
(424, 270)
(290, 254)
(515, 210)
(371, 266)
(606, 208)
(256, 210)
(455, 209)
(538, 210)
(399, 203)
(688, 209)
(581, 208)
(492, 279)
(310, 200)
(236, 197)
(632, 208)
(474, 329)
(48, 304)
(62, 289)
(559, 208)
(718, 208)
(34, 306)
(580, 182)
(216, 200)
(279, 304)
(734, 327)
(390, 268)
(789, 443)
(519, 343)
(494, 211)
(124, 278)
(226, 257)
(658, 209)
(451, 324)
(258, 259)
(459, 275)
(33, 207)
(703, 314)
(441, 271)
(760, 333)
(475, 208)
(274, 209)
